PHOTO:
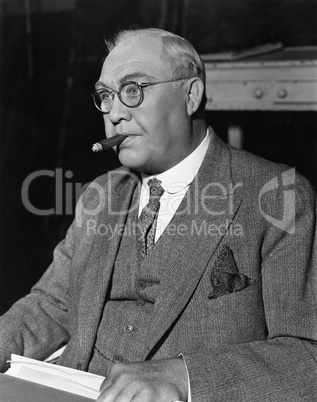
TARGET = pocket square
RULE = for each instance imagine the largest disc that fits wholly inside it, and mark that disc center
(225, 277)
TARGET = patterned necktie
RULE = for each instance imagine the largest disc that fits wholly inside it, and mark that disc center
(147, 220)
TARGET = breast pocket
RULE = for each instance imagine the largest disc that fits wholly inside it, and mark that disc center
(238, 316)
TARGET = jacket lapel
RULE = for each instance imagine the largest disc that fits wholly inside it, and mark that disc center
(210, 204)
(102, 258)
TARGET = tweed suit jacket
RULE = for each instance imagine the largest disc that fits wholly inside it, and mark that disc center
(238, 289)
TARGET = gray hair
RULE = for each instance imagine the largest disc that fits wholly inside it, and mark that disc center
(178, 53)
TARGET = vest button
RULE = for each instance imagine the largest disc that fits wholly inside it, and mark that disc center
(128, 329)
(117, 358)
(140, 302)
(141, 285)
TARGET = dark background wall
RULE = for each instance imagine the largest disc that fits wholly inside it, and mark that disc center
(50, 59)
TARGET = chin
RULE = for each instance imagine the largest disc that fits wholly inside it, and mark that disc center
(129, 161)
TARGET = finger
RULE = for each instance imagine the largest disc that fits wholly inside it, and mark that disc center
(105, 383)
(147, 395)
(109, 394)
(106, 396)
(111, 377)
(116, 393)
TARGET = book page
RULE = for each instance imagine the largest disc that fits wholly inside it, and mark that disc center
(59, 377)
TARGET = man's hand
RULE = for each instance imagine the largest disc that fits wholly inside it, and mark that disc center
(150, 381)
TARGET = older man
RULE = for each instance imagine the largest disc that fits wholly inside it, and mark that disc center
(191, 271)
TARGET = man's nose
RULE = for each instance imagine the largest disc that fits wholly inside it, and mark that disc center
(118, 111)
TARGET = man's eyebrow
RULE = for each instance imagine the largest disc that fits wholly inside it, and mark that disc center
(127, 77)
(136, 76)
(100, 84)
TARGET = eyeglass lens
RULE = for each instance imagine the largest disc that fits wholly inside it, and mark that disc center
(129, 93)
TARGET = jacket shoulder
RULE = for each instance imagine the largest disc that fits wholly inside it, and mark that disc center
(110, 182)
(247, 166)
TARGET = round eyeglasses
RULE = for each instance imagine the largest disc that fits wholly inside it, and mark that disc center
(130, 94)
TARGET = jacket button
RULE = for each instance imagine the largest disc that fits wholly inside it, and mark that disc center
(140, 302)
(117, 358)
(128, 329)
(141, 285)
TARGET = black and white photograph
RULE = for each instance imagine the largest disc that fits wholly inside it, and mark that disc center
(158, 205)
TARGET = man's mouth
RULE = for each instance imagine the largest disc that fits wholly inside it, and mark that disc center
(128, 139)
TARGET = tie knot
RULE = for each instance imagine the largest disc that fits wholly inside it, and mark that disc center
(156, 190)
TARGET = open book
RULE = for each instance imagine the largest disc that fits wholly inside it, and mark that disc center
(59, 377)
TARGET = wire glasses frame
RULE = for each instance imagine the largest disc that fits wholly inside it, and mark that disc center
(130, 94)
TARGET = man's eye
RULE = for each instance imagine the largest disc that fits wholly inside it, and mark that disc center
(105, 96)
(132, 90)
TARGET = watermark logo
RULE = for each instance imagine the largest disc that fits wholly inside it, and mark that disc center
(192, 228)
(287, 223)
(215, 199)
(66, 193)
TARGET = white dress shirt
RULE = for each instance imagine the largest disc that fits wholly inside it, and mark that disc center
(175, 182)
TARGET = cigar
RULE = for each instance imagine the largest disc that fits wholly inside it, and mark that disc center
(108, 143)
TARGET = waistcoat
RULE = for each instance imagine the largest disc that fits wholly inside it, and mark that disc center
(130, 301)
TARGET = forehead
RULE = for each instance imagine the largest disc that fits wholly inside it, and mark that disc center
(139, 56)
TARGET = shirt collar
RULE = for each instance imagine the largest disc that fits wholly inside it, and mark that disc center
(181, 175)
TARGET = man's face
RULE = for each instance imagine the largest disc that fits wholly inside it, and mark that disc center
(159, 131)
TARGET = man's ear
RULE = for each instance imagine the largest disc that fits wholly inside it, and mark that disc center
(195, 92)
